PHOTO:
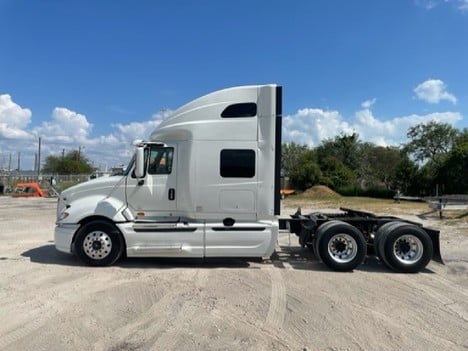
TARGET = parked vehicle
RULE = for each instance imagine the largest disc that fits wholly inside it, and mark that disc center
(207, 184)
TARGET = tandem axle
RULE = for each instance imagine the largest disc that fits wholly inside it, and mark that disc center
(342, 240)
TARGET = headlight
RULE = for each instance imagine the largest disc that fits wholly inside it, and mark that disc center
(62, 216)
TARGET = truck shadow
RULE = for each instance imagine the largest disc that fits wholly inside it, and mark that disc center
(47, 254)
(285, 257)
(171, 263)
(298, 258)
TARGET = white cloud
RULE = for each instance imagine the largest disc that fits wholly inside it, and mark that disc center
(311, 126)
(141, 130)
(393, 131)
(66, 126)
(66, 130)
(427, 4)
(13, 119)
(461, 5)
(70, 130)
(433, 91)
(368, 103)
(104, 148)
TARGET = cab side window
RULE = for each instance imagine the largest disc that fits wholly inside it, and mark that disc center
(160, 160)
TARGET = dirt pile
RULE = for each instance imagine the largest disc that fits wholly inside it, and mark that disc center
(321, 192)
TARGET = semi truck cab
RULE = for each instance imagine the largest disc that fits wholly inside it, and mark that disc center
(205, 184)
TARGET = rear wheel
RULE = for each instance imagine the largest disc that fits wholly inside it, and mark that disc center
(407, 248)
(379, 240)
(319, 234)
(99, 243)
(341, 246)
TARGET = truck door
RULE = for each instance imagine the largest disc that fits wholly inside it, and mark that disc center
(155, 195)
(158, 232)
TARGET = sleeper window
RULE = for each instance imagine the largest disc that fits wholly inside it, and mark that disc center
(237, 163)
(247, 109)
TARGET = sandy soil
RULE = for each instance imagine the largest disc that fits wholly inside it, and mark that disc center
(49, 301)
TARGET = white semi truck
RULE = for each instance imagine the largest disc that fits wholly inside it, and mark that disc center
(207, 184)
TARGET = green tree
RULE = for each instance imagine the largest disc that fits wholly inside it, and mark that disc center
(335, 173)
(306, 171)
(378, 164)
(73, 162)
(404, 176)
(339, 160)
(443, 150)
(343, 147)
(452, 174)
(290, 155)
(430, 141)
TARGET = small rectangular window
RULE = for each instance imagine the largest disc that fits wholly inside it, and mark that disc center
(247, 109)
(160, 160)
(237, 163)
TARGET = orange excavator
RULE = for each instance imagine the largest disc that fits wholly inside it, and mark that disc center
(31, 189)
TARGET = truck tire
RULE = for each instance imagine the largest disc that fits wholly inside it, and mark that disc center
(319, 233)
(98, 243)
(341, 246)
(406, 248)
(379, 241)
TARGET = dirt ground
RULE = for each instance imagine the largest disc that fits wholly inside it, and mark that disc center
(49, 301)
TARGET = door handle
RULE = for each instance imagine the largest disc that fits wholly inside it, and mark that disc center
(171, 194)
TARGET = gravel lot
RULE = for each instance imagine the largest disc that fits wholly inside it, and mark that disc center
(49, 301)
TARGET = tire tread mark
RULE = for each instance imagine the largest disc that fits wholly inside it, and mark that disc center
(277, 309)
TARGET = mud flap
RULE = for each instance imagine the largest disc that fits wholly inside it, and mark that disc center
(435, 238)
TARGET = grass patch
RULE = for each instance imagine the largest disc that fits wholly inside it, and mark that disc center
(359, 203)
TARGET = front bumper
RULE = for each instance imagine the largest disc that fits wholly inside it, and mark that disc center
(64, 235)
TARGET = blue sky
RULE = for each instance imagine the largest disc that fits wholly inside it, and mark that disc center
(97, 74)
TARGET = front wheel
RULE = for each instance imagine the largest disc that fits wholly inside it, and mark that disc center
(98, 243)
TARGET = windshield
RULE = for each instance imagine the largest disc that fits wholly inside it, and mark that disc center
(130, 166)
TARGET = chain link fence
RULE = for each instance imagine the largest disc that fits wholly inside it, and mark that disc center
(9, 181)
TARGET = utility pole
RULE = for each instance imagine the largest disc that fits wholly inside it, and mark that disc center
(19, 164)
(39, 160)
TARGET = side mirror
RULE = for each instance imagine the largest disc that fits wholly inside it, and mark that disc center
(140, 162)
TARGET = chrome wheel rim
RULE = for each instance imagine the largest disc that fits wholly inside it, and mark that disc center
(408, 249)
(342, 248)
(97, 245)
